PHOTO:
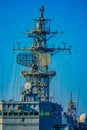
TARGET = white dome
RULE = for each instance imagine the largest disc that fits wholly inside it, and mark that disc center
(27, 85)
(83, 118)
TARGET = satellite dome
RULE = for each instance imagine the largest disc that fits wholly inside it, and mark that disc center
(83, 118)
(27, 85)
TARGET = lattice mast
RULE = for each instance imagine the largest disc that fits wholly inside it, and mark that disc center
(36, 59)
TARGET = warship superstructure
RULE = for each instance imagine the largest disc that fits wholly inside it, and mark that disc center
(35, 110)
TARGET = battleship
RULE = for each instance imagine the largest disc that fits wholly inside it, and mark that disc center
(35, 110)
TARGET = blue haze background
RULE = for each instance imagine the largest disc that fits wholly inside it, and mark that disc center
(69, 16)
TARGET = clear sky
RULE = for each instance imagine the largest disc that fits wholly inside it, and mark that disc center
(69, 16)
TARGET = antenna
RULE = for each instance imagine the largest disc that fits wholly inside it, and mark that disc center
(64, 43)
(78, 96)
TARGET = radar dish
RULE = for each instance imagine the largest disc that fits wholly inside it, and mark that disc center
(83, 117)
(44, 59)
(27, 85)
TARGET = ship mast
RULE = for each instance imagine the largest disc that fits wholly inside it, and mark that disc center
(36, 59)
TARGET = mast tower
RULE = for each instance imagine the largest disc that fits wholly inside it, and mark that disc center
(37, 58)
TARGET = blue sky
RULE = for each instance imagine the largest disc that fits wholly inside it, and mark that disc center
(69, 16)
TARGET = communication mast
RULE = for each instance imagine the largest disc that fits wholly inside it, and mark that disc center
(37, 59)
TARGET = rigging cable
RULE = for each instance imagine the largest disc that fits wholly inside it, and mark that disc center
(12, 82)
(2, 80)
